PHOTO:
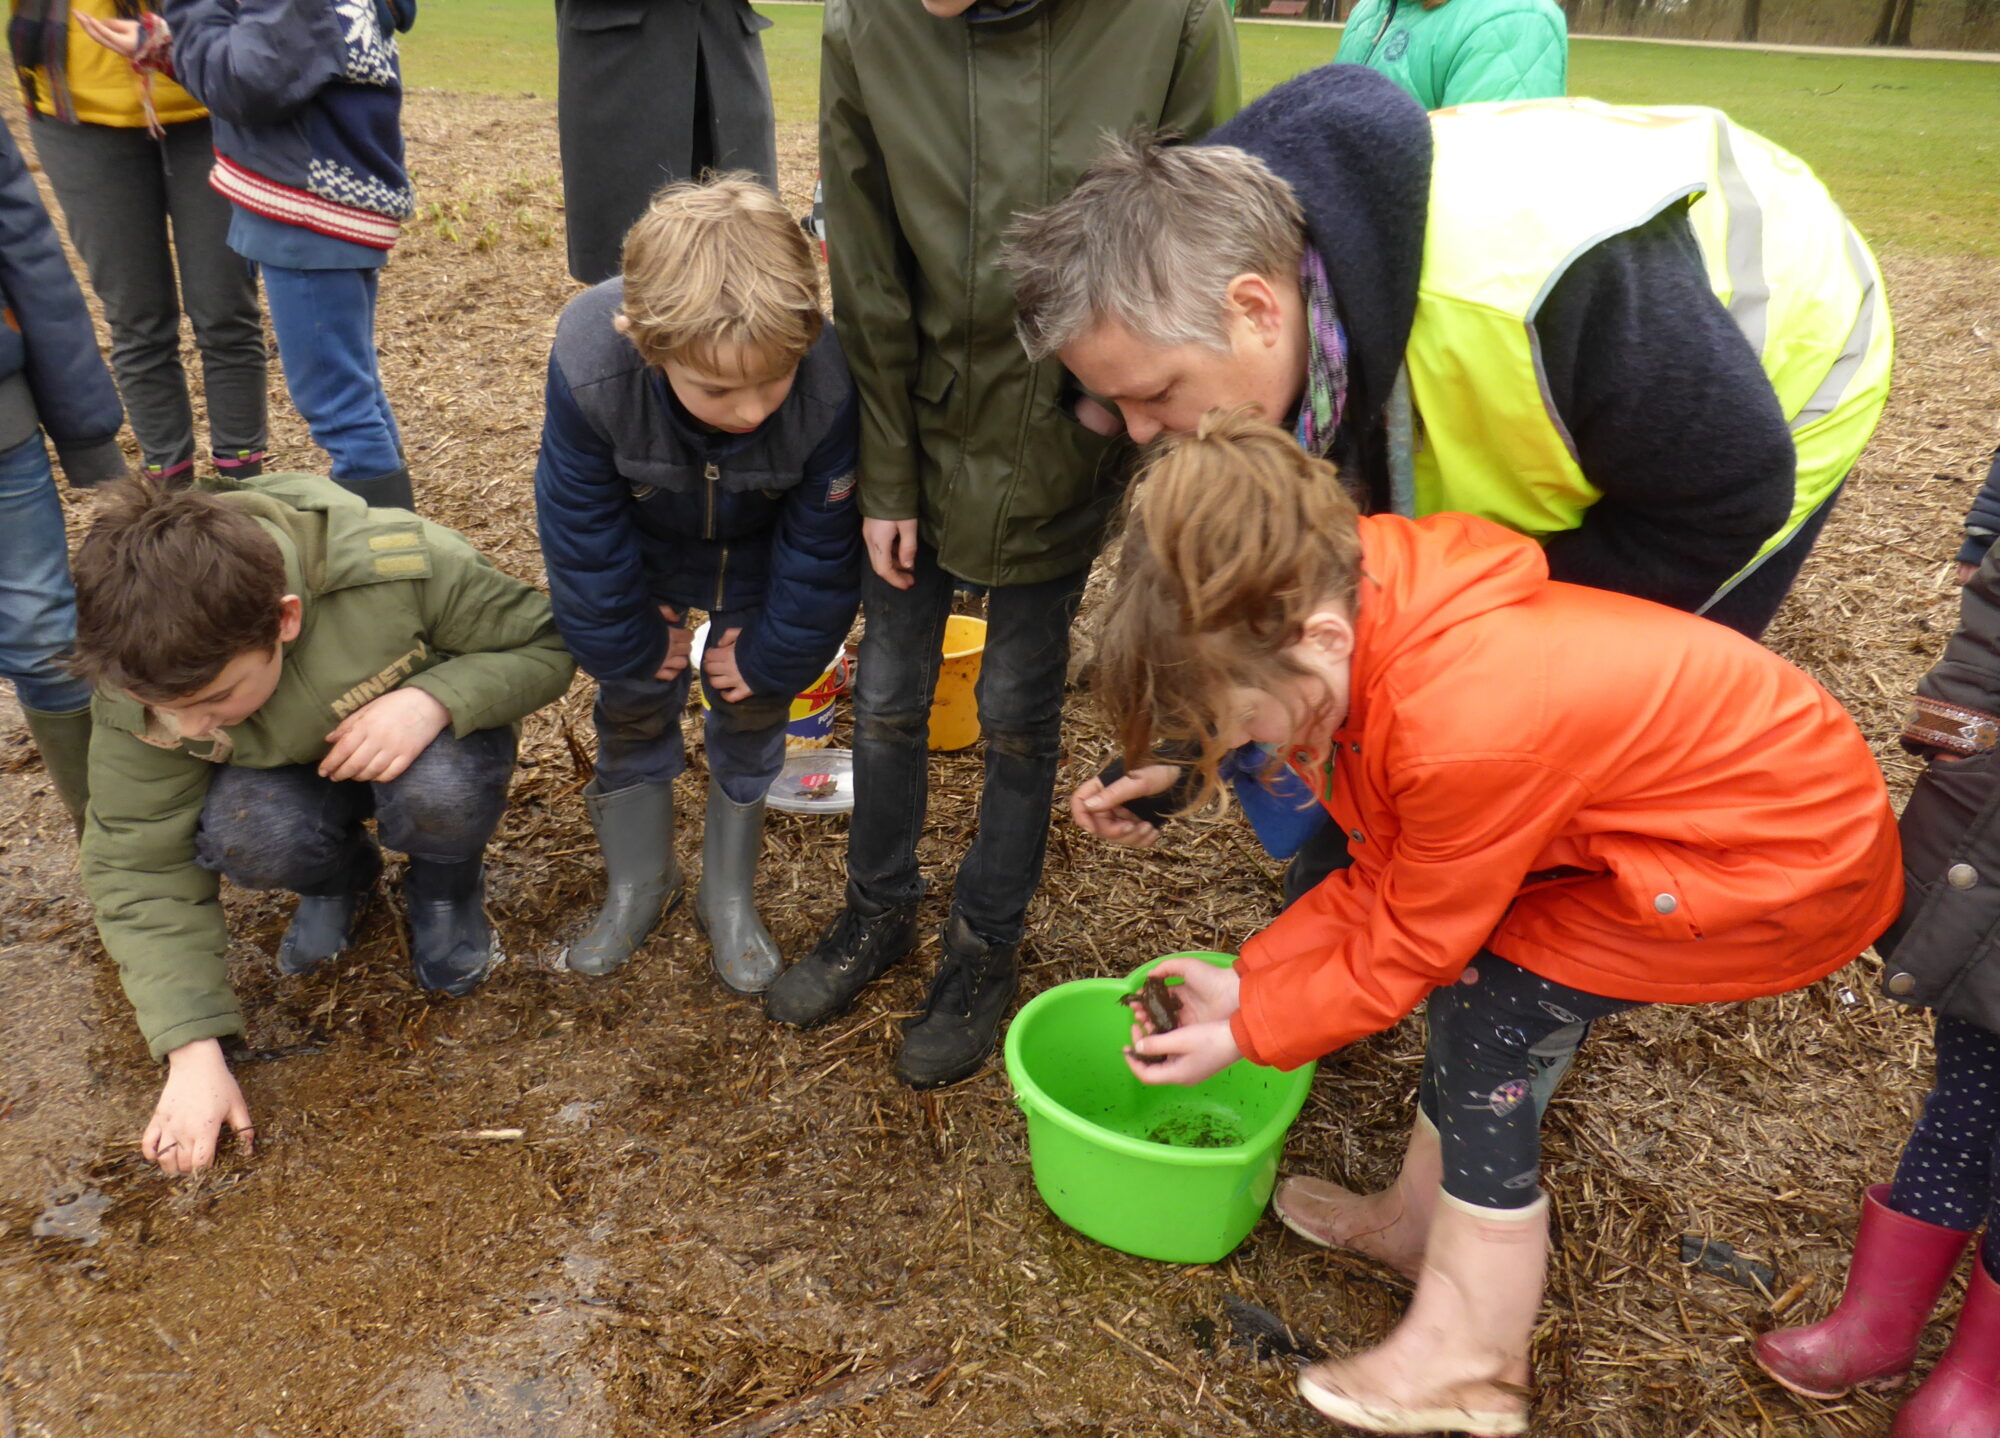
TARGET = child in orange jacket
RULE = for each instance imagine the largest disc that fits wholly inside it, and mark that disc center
(1562, 804)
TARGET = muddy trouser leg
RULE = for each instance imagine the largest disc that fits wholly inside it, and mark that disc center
(901, 650)
(284, 828)
(1021, 682)
(638, 724)
(446, 805)
(1950, 1171)
(745, 741)
(1479, 1067)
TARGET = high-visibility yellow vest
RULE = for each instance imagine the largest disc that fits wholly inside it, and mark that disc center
(1520, 189)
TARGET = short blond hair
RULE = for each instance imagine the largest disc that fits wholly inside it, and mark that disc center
(719, 262)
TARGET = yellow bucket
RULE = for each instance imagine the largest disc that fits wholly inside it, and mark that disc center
(955, 709)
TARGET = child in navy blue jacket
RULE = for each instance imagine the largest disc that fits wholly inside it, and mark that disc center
(698, 452)
(307, 101)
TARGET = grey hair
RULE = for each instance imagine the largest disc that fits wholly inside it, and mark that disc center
(1151, 237)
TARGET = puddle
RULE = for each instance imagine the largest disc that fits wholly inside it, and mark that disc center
(77, 1216)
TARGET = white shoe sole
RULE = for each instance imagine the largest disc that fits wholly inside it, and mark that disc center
(1343, 1409)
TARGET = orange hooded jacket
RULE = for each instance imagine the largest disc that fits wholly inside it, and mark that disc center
(1614, 795)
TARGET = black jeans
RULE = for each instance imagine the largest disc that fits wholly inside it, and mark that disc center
(1021, 682)
(1480, 1069)
(287, 828)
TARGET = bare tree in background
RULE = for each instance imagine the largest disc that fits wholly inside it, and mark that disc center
(1753, 12)
(1893, 28)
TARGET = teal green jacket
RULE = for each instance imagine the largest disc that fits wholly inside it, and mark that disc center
(1463, 51)
(389, 601)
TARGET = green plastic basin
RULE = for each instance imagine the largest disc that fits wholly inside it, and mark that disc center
(1161, 1171)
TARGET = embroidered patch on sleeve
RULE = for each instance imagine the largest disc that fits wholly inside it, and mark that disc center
(841, 489)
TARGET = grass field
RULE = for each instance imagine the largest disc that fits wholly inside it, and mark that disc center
(1911, 147)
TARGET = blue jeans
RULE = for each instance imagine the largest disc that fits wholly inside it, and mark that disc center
(325, 324)
(37, 602)
(287, 828)
(1021, 682)
(639, 731)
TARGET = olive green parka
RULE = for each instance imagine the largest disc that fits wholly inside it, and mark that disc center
(388, 601)
(934, 135)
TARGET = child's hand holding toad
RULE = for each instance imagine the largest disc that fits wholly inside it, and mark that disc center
(1203, 1045)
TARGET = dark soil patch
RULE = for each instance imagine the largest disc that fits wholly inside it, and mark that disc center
(706, 1216)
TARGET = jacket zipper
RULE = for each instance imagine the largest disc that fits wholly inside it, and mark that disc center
(712, 475)
(1387, 20)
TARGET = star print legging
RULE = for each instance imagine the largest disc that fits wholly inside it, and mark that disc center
(1950, 1173)
(1479, 1069)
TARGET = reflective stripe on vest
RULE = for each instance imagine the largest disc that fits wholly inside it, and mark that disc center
(1520, 189)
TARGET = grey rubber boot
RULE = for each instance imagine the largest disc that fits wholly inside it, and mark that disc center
(324, 924)
(741, 951)
(384, 491)
(635, 828)
(64, 740)
(452, 947)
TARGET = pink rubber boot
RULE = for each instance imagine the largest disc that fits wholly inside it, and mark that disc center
(1899, 1268)
(1961, 1398)
(1458, 1362)
(1390, 1226)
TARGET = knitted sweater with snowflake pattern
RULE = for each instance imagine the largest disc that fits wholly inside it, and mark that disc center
(307, 99)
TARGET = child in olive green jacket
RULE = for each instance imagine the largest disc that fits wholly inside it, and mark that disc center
(275, 665)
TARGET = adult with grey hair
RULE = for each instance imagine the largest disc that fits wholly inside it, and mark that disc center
(1648, 338)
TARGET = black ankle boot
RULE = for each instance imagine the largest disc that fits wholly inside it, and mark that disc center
(969, 999)
(853, 952)
(326, 920)
(451, 944)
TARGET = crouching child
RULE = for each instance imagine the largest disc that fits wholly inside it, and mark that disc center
(1562, 805)
(274, 666)
(698, 452)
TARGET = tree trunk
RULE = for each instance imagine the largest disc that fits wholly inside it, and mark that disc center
(1893, 28)
(1752, 13)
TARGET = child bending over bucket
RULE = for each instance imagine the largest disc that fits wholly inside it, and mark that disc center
(1562, 803)
(1939, 956)
(698, 452)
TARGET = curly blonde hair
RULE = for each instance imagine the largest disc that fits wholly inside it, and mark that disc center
(1233, 538)
(719, 262)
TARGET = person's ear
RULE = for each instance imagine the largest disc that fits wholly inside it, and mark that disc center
(291, 612)
(1329, 634)
(1255, 299)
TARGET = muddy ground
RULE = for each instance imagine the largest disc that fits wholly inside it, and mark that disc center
(706, 1219)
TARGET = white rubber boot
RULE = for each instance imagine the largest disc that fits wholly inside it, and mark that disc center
(1391, 1226)
(1458, 1362)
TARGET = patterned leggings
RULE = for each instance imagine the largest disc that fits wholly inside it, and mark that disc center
(1488, 1034)
(1950, 1173)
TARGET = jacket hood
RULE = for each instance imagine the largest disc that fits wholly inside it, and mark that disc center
(1356, 151)
(1422, 577)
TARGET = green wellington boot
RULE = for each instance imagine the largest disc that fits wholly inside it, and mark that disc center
(64, 740)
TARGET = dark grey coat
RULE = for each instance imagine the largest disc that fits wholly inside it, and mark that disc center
(652, 91)
(1943, 951)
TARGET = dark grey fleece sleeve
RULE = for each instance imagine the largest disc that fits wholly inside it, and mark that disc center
(1672, 418)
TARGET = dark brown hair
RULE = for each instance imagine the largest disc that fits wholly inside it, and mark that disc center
(1234, 537)
(170, 587)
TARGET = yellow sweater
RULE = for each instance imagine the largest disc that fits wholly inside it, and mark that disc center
(102, 84)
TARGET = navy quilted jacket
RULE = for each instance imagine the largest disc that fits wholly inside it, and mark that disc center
(639, 507)
(307, 100)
